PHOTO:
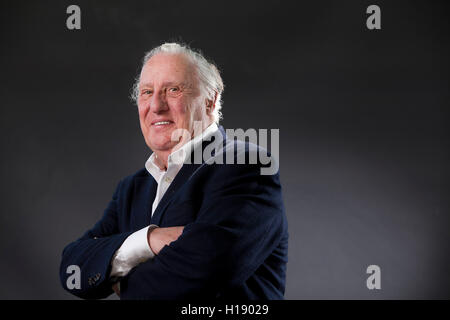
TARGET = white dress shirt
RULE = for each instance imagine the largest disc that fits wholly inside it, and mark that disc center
(135, 249)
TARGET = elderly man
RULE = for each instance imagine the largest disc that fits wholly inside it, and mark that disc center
(179, 228)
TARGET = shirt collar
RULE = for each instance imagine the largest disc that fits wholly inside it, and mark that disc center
(176, 159)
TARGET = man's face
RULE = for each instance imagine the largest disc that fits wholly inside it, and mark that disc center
(169, 99)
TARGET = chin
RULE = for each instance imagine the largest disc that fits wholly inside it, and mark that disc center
(161, 145)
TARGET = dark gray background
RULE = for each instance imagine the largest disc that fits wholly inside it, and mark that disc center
(363, 118)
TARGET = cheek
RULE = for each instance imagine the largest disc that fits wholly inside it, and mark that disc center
(142, 112)
(180, 110)
(142, 121)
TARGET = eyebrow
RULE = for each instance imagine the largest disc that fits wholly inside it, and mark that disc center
(165, 84)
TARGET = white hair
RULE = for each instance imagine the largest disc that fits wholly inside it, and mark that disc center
(211, 84)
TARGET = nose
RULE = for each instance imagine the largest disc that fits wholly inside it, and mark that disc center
(158, 102)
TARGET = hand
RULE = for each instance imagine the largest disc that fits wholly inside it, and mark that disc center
(160, 237)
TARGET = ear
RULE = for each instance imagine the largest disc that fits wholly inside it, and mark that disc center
(210, 105)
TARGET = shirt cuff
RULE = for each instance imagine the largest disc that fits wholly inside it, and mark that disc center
(133, 251)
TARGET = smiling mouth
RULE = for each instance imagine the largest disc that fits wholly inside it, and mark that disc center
(162, 123)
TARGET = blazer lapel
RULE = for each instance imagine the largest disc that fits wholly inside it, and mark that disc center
(186, 171)
(183, 175)
(144, 195)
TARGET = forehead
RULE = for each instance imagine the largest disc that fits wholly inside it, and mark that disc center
(167, 68)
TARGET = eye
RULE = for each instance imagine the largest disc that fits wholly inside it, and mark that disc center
(146, 92)
(174, 92)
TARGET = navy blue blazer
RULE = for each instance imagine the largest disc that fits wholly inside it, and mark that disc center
(234, 244)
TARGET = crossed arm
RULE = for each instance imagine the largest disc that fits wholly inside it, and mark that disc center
(239, 224)
(94, 252)
(157, 238)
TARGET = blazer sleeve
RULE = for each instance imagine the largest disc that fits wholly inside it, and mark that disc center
(93, 252)
(240, 223)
